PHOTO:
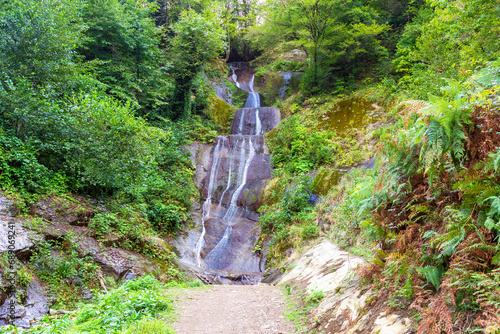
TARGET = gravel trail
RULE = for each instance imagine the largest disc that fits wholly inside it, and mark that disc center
(232, 309)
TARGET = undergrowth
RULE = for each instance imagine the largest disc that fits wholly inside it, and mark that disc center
(143, 305)
(431, 209)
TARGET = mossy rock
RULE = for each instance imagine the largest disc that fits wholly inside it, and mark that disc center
(269, 86)
(220, 112)
(325, 179)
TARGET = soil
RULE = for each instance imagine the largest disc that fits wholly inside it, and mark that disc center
(235, 309)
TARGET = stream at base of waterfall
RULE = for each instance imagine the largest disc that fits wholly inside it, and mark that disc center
(220, 249)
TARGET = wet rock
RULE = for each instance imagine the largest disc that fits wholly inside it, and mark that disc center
(200, 158)
(245, 120)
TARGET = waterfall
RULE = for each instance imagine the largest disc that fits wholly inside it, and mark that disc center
(233, 208)
(287, 77)
(208, 202)
(253, 100)
(231, 162)
(236, 158)
(215, 256)
(258, 124)
(235, 78)
(242, 118)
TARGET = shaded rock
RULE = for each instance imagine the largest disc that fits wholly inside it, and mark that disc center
(69, 211)
(18, 313)
(36, 304)
(200, 158)
(272, 276)
(7, 207)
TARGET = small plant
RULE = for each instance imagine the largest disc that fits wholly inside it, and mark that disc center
(314, 298)
(24, 276)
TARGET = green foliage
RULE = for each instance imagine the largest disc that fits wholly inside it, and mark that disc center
(166, 217)
(24, 276)
(338, 37)
(64, 269)
(135, 306)
(133, 301)
(113, 148)
(125, 43)
(432, 274)
(289, 220)
(314, 298)
(20, 170)
(448, 42)
(37, 42)
(298, 148)
(197, 40)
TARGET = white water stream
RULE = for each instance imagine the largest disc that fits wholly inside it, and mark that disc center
(241, 153)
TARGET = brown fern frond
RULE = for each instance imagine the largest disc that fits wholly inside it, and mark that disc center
(437, 317)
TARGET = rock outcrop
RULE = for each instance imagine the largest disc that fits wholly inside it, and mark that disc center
(54, 221)
(327, 268)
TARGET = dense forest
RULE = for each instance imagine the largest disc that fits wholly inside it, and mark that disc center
(99, 98)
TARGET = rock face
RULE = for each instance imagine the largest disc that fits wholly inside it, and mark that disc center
(245, 120)
(35, 304)
(200, 158)
(31, 301)
(231, 185)
(327, 268)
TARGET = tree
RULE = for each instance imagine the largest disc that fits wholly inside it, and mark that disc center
(448, 41)
(37, 42)
(125, 42)
(197, 40)
(335, 34)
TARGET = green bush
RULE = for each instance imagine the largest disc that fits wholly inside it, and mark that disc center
(21, 171)
(65, 270)
(166, 217)
(298, 147)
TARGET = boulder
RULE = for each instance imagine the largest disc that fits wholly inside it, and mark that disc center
(60, 210)
(327, 268)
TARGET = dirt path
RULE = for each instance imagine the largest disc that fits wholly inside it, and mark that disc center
(232, 309)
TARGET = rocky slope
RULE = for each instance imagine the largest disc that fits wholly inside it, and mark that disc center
(346, 307)
(57, 220)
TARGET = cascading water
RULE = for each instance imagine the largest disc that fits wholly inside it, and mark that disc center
(236, 176)
(287, 78)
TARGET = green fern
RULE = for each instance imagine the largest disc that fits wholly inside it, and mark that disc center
(432, 274)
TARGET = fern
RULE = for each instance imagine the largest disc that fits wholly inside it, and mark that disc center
(460, 223)
(432, 274)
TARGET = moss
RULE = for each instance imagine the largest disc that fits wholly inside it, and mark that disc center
(270, 92)
(268, 86)
(220, 112)
(326, 179)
